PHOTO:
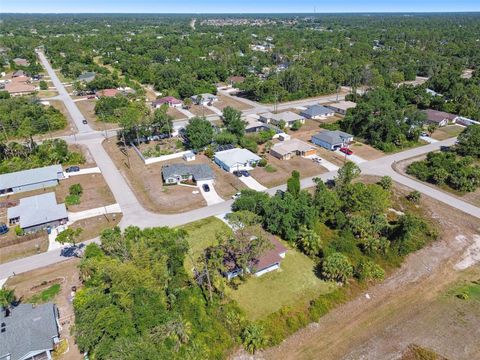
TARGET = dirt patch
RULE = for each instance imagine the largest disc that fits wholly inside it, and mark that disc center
(283, 170)
(224, 101)
(366, 151)
(93, 227)
(200, 110)
(175, 113)
(28, 246)
(33, 282)
(408, 307)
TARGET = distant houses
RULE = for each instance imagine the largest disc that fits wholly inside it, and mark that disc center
(342, 107)
(169, 100)
(236, 159)
(439, 118)
(332, 140)
(33, 179)
(317, 112)
(288, 117)
(204, 99)
(29, 331)
(178, 173)
(287, 149)
(38, 212)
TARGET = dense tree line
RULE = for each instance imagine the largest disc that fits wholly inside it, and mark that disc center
(26, 116)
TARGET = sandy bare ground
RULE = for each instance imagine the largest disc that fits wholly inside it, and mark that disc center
(408, 307)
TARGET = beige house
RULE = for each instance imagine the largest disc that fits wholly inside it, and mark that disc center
(287, 149)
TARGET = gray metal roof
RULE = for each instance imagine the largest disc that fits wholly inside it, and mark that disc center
(332, 137)
(87, 76)
(198, 171)
(287, 116)
(28, 329)
(36, 210)
(316, 110)
(236, 156)
(32, 176)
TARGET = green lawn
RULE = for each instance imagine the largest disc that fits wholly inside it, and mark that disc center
(295, 282)
(45, 295)
(201, 234)
(447, 132)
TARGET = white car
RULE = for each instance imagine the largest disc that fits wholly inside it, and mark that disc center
(234, 197)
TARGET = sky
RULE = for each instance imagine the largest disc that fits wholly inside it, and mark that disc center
(237, 6)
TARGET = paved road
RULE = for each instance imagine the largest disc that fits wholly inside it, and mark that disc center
(135, 214)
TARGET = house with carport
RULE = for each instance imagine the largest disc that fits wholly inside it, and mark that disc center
(180, 173)
(332, 140)
(288, 117)
(317, 112)
(236, 159)
(342, 107)
(285, 150)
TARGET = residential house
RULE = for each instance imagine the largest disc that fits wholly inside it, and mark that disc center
(169, 100)
(332, 140)
(287, 149)
(18, 73)
(342, 107)
(236, 159)
(288, 117)
(20, 86)
(21, 62)
(317, 112)
(87, 76)
(32, 179)
(38, 212)
(439, 118)
(254, 125)
(460, 120)
(178, 173)
(29, 331)
(269, 261)
(106, 93)
(204, 99)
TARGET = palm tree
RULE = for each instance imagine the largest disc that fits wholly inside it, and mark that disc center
(253, 338)
(6, 297)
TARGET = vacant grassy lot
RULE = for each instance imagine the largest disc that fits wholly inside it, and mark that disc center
(224, 101)
(295, 282)
(447, 132)
(200, 110)
(201, 234)
(175, 113)
(366, 151)
(87, 108)
(93, 227)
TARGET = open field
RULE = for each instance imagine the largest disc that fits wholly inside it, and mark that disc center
(471, 197)
(295, 282)
(416, 304)
(224, 101)
(33, 283)
(365, 151)
(147, 182)
(93, 227)
(87, 108)
(200, 110)
(283, 170)
(446, 132)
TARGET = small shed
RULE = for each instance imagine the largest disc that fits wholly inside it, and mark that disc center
(189, 156)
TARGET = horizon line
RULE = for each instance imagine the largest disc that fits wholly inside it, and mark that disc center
(477, 11)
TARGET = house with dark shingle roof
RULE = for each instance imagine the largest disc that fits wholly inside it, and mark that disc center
(28, 332)
(86, 76)
(332, 140)
(439, 118)
(177, 173)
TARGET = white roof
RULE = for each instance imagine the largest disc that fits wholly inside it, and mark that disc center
(32, 176)
(36, 210)
(343, 105)
(287, 116)
(236, 156)
(288, 146)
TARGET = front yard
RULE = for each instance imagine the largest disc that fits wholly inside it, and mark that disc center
(446, 132)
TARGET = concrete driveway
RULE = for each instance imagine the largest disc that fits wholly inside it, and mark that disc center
(428, 139)
(211, 197)
(252, 183)
(354, 158)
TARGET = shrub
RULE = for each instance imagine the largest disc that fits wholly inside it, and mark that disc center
(253, 338)
(72, 200)
(296, 125)
(414, 196)
(336, 267)
(262, 163)
(270, 168)
(19, 231)
(76, 189)
(43, 85)
(367, 270)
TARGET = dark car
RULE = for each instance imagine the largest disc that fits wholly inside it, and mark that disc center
(72, 169)
(3, 229)
(84, 121)
(245, 173)
(237, 173)
(206, 188)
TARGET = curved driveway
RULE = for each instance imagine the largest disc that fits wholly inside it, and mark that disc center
(135, 214)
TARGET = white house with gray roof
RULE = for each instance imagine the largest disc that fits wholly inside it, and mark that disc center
(177, 173)
(317, 112)
(332, 140)
(204, 99)
(288, 117)
(28, 332)
(38, 212)
(33, 179)
(236, 159)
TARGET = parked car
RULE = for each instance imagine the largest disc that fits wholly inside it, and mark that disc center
(234, 197)
(84, 121)
(424, 134)
(72, 169)
(3, 229)
(206, 188)
(245, 173)
(237, 173)
(91, 97)
(346, 150)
